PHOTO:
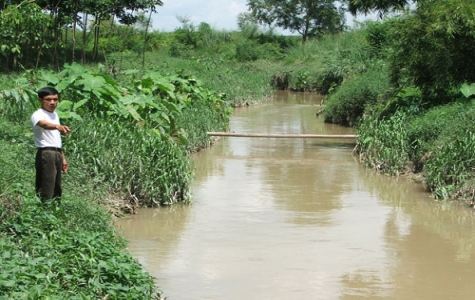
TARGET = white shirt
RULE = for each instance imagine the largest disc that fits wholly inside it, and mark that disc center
(45, 137)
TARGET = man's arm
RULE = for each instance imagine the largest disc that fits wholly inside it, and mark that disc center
(64, 130)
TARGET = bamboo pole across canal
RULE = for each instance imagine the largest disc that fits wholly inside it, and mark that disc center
(301, 136)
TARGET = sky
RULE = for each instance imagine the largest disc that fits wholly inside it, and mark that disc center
(219, 14)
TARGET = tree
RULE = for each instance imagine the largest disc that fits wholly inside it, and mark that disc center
(248, 24)
(381, 6)
(21, 38)
(310, 18)
(433, 48)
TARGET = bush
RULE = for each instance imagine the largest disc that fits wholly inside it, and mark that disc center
(248, 51)
(347, 105)
(438, 126)
(433, 48)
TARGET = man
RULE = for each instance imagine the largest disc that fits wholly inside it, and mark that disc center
(50, 160)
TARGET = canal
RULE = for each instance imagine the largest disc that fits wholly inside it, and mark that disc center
(302, 219)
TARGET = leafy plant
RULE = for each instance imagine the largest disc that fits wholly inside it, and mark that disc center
(68, 251)
(451, 166)
(382, 144)
(349, 102)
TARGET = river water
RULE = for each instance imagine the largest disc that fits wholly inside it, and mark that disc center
(302, 219)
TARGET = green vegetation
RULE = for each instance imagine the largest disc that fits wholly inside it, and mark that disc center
(413, 107)
(146, 100)
(308, 18)
(128, 143)
(69, 251)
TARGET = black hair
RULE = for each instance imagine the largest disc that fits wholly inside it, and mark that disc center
(47, 91)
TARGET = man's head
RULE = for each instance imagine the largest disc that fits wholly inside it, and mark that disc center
(49, 98)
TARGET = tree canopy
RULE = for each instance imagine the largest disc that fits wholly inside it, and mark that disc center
(381, 6)
(29, 27)
(308, 18)
(433, 47)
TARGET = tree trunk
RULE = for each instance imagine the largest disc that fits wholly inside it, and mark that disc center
(95, 51)
(145, 39)
(73, 46)
(84, 40)
(110, 34)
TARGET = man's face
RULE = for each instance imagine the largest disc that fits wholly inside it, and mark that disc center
(49, 102)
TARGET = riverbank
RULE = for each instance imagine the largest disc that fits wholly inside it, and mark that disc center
(121, 158)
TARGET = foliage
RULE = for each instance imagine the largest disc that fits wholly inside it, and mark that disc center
(142, 165)
(36, 33)
(68, 251)
(333, 59)
(21, 34)
(252, 43)
(240, 82)
(142, 119)
(128, 142)
(382, 6)
(248, 51)
(356, 94)
(438, 126)
(450, 168)
(383, 144)
(303, 82)
(378, 37)
(15, 148)
(308, 18)
(18, 100)
(432, 49)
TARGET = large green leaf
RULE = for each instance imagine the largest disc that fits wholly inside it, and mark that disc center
(64, 105)
(133, 112)
(79, 103)
(50, 78)
(90, 82)
(468, 89)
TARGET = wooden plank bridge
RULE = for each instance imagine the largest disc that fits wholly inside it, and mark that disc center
(300, 136)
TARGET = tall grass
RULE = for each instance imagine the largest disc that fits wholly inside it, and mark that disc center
(128, 160)
(382, 144)
(443, 146)
(450, 169)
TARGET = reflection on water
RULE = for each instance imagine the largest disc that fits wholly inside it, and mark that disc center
(302, 219)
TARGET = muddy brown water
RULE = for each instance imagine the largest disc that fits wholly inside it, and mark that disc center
(302, 219)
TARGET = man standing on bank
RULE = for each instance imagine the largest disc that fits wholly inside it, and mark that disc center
(50, 160)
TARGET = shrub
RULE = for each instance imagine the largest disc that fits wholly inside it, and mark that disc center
(348, 103)
(248, 51)
(432, 48)
(438, 126)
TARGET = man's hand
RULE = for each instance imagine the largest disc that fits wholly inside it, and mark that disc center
(64, 130)
(65, 165)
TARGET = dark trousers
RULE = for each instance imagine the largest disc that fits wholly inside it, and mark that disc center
(49, 165)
